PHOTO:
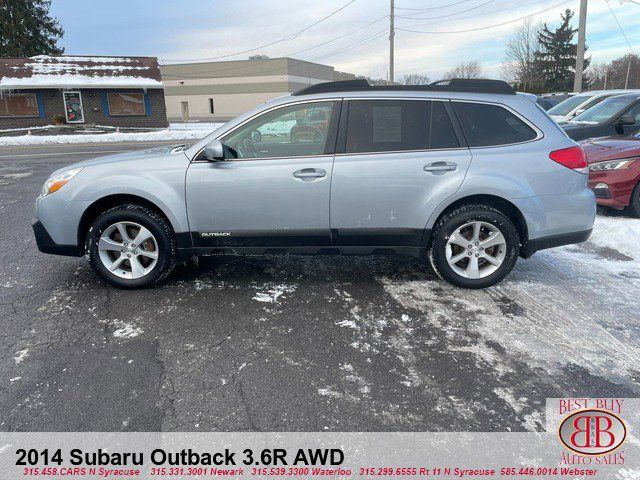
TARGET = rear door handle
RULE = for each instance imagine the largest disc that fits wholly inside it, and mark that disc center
(440, 168)
(308, 174)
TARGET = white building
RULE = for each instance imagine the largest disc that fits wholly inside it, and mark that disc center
(219, 91)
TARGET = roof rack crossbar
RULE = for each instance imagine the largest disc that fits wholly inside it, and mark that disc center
(471, 85)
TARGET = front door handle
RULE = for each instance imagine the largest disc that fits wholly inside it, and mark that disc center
(308, 174)
(440, 168)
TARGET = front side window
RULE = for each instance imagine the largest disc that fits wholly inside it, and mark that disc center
(19, 105)
(634, 112)
(129, 104)
(396, 125)
(490, 125)
(295, 130)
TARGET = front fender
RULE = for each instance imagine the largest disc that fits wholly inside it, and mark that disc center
(163, 188)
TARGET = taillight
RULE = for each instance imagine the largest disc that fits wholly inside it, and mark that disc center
(572, 157)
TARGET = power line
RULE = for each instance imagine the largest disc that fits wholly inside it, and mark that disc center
(285, 39)
(434, 8)
(488, 26)
(482, 14)
(371, 38)
(338, 38)
(449, 14)
(218, 71)
(620, 27)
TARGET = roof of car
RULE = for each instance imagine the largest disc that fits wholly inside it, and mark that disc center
(452, 85)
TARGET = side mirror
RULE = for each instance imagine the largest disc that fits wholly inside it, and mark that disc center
(626, 120)
(214, 152)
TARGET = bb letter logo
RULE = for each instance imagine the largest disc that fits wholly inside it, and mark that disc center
(592, 432)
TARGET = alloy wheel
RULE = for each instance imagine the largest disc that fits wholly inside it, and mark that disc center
(476, 249)
(128, 250)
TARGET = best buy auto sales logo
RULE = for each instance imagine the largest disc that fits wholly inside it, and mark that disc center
(592, 431)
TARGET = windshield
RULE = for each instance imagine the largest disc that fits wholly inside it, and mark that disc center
(605, 110)
(567, 105)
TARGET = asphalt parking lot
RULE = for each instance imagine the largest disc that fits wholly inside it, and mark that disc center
(303, 343)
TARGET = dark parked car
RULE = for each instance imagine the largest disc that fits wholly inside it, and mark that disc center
(614, 171)
(619, 115)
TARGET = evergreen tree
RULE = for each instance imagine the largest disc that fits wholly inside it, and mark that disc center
(556, 58)
(27, 29)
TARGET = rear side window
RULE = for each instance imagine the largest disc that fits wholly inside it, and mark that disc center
(489, 125)
(393, 125)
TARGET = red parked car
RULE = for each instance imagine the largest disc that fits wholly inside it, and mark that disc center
(614, 171)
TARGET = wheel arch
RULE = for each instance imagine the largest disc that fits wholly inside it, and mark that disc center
(103, 204)
(499, 203)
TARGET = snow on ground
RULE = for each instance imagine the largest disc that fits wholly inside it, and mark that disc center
(192, 131)
(617, 233)
(534, 316)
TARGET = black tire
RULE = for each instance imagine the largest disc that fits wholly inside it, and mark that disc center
(634, 202)
(455, 219)
(146, 217)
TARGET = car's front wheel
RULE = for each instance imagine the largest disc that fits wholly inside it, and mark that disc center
(474, 246)
(131, 246)
(634, 202)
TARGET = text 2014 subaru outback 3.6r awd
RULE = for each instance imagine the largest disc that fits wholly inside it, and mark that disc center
(467, 172)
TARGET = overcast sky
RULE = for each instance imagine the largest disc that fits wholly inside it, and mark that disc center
(198, 29)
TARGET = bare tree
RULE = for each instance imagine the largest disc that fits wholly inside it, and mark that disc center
(621, 72)
(471, 69)
(414, 79)
(597, 74)
(518, 66)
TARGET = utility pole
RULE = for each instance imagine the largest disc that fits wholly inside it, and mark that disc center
(582, 26)
(626, 82)
(391, 35)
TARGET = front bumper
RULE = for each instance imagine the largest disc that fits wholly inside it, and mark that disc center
(620, 185)
(47, 245)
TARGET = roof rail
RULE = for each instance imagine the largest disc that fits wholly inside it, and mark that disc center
(471, 85)
(340, 86)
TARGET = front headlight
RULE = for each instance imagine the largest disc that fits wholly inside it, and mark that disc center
(612, 165)
(58, 181)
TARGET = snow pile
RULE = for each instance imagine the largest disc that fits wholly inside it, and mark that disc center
(69, 80)
(159, 135)
(71, 72)
(71, 58)
(195, 126)
(617, 233)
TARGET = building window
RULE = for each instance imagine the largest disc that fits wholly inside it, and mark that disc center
(19, 105)
(211, 109)
(129, 104)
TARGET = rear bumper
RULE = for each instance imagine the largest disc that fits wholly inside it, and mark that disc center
(552, 241)
(47, 245)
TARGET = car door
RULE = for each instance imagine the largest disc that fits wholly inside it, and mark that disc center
(398, 159)
(272, 190)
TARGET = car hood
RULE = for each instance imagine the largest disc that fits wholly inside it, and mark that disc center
(136, 155)
(576, 126)
(611, 148)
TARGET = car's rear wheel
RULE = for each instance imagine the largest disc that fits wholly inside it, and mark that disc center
(474, 246)
(131, 246)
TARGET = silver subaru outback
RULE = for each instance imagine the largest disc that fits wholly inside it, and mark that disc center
(465, 173)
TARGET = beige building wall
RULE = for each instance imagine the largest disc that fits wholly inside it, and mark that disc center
(235, 87)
